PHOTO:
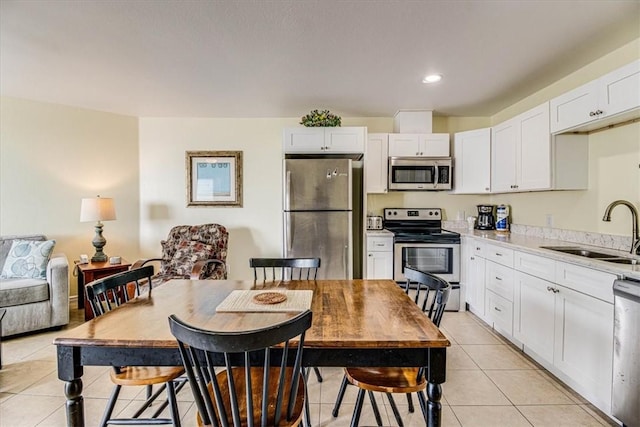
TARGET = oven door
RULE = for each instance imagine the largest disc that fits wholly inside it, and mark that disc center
(419, 173)
(442, 260)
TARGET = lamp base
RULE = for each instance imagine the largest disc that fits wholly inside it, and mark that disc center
(99, 257)
(98, 242)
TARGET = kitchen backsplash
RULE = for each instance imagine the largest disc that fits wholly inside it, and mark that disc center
(609, 241)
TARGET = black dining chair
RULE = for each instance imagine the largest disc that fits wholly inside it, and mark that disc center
(107, 294)
(270, 269)
(262, 383)
(431, 294)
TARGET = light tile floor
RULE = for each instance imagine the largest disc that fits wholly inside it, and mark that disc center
(489, 383)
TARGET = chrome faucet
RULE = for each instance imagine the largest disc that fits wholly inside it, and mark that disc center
(635, 235)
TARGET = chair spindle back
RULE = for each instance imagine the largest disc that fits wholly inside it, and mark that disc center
(268, 269)
(261, 382)
(112, 291)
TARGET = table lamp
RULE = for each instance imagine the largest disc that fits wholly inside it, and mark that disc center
(98, 209)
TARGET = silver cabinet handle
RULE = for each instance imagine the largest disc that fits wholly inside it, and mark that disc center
(498, 254)
(549, 288)
(497, 309)
(498, 278)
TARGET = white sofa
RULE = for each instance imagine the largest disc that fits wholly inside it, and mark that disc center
(34, 304)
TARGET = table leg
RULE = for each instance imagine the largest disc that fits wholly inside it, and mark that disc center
(70, 371)
(435, 377)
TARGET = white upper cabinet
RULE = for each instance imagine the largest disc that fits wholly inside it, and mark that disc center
(533, 155)
(419, 145)
(503, 156)
(521, 152)
(330, 140)
(376, 162)
(472, 157)
(610, 95)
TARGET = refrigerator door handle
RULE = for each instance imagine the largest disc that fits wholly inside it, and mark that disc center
(288, 230)
(287, 192)
(345, 252)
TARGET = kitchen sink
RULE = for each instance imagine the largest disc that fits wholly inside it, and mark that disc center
(580, 252)
(572, 250)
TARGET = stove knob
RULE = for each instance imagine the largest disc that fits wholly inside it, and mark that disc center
(430, 213)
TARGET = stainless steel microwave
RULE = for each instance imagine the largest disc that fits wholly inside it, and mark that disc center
(420, 173)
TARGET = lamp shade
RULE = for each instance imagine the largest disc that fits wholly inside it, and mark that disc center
(97, 209)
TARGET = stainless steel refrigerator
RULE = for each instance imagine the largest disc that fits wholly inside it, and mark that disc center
(318, 213)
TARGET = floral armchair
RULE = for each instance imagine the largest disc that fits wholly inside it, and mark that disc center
(192, 252)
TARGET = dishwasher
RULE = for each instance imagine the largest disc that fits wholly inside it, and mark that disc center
(626, 352)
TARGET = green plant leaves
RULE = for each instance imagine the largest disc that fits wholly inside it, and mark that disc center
(322, 118)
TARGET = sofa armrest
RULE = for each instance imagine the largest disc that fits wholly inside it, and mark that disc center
(58, 279)
(200, 267)
(142, 262)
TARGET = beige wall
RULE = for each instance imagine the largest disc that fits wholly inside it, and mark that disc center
(51, 156)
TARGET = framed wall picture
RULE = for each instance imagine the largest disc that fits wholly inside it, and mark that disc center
(214, 178)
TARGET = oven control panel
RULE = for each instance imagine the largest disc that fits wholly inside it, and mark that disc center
(413, 214)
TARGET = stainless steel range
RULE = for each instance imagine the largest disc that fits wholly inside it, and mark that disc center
(420, 241)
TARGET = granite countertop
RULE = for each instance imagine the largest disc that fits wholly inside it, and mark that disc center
(532, 245)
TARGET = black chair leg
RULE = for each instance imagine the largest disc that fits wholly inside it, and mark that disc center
(374, 405)
(149, 391)
(355, 419)
(394, 408)
(173, 403)
(110, 405)
(318, 374)
(423, 405)
(343, 388)
(410, 402)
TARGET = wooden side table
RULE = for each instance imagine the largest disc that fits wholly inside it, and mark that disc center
(93, 271)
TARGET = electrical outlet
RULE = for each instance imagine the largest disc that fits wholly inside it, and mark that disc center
(549, 218)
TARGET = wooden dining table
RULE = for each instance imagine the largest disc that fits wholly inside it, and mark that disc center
(355, 323)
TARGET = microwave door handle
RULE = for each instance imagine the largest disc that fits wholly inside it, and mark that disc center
(436, 177)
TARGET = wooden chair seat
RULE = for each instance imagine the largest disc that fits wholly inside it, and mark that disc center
(257, 378)
(145, 375)
(386, 380)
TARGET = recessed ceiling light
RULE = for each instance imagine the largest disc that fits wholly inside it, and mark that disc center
(432, 78)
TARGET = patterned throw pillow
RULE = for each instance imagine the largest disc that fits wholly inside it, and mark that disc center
(28, 259)
(187, 254)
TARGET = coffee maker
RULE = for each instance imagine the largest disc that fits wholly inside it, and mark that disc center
(486, 219)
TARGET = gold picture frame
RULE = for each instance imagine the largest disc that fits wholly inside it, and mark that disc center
(214, 178)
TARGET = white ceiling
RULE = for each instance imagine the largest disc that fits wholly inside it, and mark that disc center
(283, 58)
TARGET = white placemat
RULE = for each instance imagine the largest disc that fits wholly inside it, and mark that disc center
(242, 300)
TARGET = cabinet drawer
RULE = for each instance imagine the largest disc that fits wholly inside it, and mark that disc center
(499, 279)
(596, 283)
(499, 254)
(500, 311)
(537, 266)
(380, 244)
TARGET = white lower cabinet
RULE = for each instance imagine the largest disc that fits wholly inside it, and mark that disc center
(534, 312)
(583, 344)
(568, 331)
(473, 277)
(379, 256)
